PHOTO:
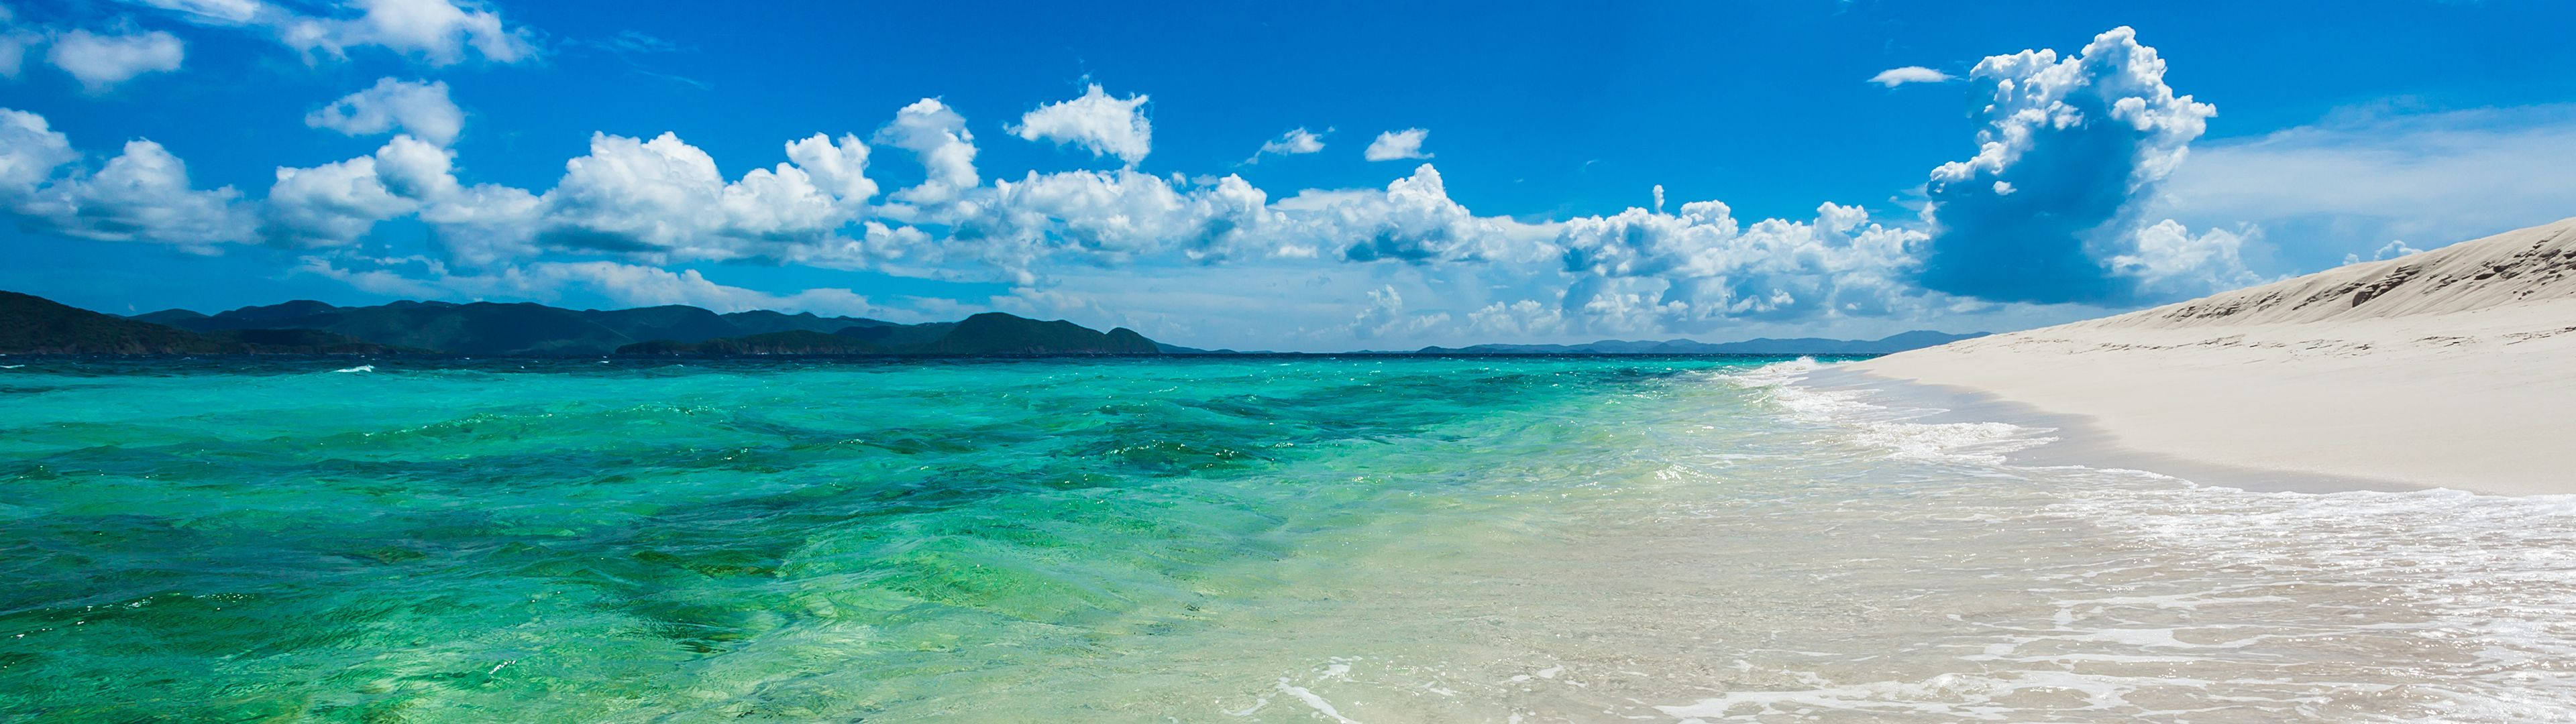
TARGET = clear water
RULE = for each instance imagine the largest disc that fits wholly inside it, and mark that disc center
(1226, 540)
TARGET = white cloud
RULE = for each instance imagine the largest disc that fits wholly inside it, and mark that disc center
(421, 109)
(1384, 317)
(100, 62)
(1113, 217)
(839, 167)
(1518, 320)
(328, 205)
(1393, 145)
(1412, 220)
(436, 31)
(1645, 270)
(2167, 257)
(439, 32)
(1296, 141)
(663, 199)
(416, 169)
(233, 12)
(1894, 77)
(30, 150)
(1103, 125)
(2071, 148)
(660, 200)
(142, 194)
(937, 136)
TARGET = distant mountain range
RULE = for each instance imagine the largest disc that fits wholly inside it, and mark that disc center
(1804, 345)
(34, 325)
(991, 334)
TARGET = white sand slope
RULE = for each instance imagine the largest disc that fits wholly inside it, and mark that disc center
(2453, 368)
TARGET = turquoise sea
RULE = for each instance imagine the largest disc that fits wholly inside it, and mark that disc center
(1249, 539)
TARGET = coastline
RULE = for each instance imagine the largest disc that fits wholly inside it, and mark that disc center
(2444, 369)
(2080, 440)
(2471, 400)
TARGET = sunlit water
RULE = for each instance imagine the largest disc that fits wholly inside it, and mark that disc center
(1209, 540)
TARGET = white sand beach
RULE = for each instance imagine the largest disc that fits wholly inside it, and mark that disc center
(2452, 368)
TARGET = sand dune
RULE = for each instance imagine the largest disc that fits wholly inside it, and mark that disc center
(2451, 368)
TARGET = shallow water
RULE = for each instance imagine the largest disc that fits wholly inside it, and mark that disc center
(1232, 540)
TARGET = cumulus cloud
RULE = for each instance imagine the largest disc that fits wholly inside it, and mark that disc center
(1113, 217)
(439, 32)
(1393, 145)
(1384, 317)
(1412, 220)
(1641, 269)
(419, 108)
(30, 151)
(838, 166)
(937, 136)
(1894, 77)
(663, 199)
(142, 194)
(2070, 148)
(1523, 319)
(659, 200)
(1098, 123)
(1296, 141)
(2167, 257)
(100, 62)
(328, 205)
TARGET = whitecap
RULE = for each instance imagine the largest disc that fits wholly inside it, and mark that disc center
(359, 368)
(1882, 427)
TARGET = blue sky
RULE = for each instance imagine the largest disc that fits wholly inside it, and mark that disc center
(2207, 146)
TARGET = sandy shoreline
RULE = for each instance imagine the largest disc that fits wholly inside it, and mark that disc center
(2454, 368)
(2081, 439)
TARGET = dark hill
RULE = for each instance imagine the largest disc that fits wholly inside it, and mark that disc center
(892, 336)
(670, 321)
(761, 321)
(995, 333)
(794, 341)
(169, 317)
(497, 329)
(248, 317)
(480, 328)
(992, 334)
(35, 325)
